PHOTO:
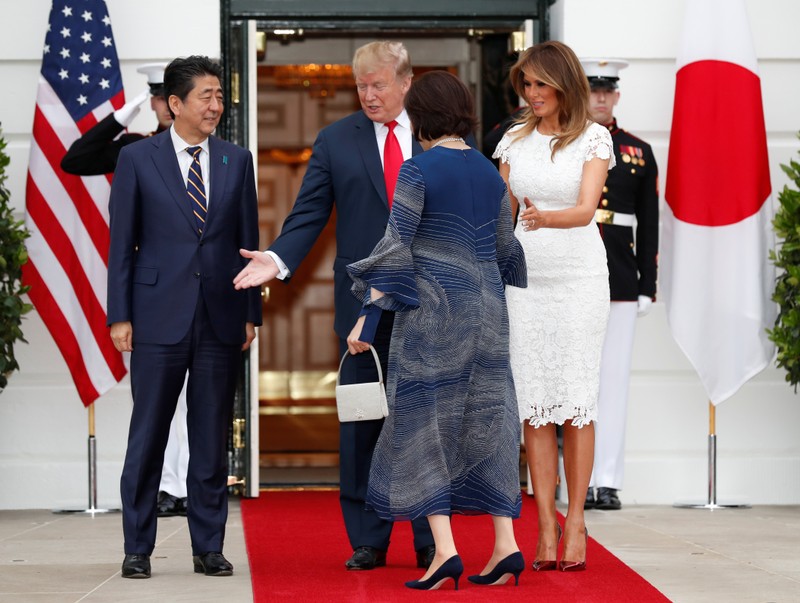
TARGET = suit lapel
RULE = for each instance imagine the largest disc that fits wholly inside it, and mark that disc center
(367, 144)
(166, 164)
(370, 154)
(218, 168)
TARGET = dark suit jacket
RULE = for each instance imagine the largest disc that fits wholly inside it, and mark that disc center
(345, 170)
(158, 265)
(631, 188)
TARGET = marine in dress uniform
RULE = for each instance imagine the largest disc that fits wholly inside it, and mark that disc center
(96, 153)
(627, 208)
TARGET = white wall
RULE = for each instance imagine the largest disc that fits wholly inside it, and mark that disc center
(43, 426)
(758, 448)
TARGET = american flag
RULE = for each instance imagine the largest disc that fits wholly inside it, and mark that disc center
(80, 83)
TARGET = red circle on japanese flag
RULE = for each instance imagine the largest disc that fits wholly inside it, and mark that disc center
(718, 170)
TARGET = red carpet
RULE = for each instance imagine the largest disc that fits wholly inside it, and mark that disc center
(297, 546)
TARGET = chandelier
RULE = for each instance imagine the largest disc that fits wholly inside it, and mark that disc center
(320, 80)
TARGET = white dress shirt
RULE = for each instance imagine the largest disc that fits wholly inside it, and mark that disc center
(185, 160)
(402, 131)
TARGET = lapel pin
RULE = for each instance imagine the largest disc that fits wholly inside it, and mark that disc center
(225, 159)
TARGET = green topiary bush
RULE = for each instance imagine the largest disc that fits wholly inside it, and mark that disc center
(786, 334)
(12, 256)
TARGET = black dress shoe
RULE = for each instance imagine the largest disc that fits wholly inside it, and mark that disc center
(366, 558)
(180, 506)
(425, 556)
(167, 505)
(607, 500)
(590, 501)
(136, 565)
(212, 564)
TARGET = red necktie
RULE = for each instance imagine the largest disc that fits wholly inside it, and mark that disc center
(392, 158)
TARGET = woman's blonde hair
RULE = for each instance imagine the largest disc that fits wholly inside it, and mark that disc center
(555, 64)
(382, 53)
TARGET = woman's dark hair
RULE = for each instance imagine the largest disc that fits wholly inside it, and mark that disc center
(438, 104)
(180, 74)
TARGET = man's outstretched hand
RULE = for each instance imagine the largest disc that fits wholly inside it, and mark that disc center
(261, 269)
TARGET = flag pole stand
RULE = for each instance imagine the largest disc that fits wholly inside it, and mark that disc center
(92, 508)
(711, 503)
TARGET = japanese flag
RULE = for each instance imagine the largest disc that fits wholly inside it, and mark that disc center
(716, 277)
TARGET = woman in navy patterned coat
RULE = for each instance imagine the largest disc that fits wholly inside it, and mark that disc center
(451, 441)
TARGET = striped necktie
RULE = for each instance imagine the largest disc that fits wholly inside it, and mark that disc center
(196, 189)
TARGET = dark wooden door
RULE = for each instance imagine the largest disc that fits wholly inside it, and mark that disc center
(298, 353)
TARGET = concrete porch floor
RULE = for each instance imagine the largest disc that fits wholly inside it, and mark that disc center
(691, 555)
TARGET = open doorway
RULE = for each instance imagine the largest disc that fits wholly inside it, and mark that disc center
(297, 95)
(285, 428)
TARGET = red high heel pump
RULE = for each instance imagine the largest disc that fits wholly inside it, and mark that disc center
(548, 565)
(575, 566)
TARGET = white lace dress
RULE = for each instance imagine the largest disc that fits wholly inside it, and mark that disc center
(557, 325)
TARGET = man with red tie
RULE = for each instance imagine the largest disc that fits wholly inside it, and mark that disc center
(354, 166)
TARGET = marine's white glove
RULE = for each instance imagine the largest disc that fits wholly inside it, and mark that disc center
(125, 114)
(644, 305)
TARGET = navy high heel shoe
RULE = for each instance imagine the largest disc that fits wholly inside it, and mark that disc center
(505, 568)
(452, 568)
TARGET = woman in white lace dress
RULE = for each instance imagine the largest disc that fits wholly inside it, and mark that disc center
(555, 162)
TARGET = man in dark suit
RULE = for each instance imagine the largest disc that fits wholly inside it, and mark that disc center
(346, 170)
(182, 204)
(95, 153)
(630, 197)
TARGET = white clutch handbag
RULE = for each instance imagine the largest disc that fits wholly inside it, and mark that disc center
(361, 401)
